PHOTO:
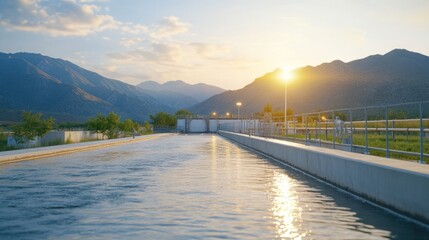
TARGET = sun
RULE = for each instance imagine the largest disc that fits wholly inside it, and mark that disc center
(286, 75)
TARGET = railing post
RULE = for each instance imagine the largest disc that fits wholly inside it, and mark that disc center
(333, 130)
(421, 133)
(303, 126)
(306, 129)
(366, 131)
(287, 126)
(351, 130)
(318, 131)
(326, 130)
(387, 132)
(295, 120)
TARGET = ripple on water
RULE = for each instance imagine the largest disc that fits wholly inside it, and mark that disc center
(182, 187)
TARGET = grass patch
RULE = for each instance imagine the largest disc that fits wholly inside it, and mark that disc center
(409, 142)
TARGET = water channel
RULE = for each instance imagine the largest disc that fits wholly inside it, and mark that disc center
(181, 187)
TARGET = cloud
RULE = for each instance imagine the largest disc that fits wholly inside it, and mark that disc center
(56, 18)
(90, 1)
(177, 60)
(169, 26)
(78, 18)
(161, 53)
(180, 55)
(134, 29)
(208, 50)
(129, 42)
(111, 68)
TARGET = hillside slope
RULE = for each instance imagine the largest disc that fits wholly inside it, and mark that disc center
(397, 77)
(179, 93)
(33, 82)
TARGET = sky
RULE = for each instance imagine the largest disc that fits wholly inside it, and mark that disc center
(226, 43)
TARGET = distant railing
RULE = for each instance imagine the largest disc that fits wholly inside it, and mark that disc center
(393, 131)
(210, 116)
(164, 129)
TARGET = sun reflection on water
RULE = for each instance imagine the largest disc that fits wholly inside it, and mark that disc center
(286, 212)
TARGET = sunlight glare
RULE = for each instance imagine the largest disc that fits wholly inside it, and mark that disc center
(286, 75)
(286, 212)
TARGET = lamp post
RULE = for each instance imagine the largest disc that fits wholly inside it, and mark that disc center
(286, 108)
(238, 104)
(214, 114)
(286, 76)
(227, 115)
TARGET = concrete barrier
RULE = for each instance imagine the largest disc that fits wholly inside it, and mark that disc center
(40, 152)
(57, 137)
(398, 185)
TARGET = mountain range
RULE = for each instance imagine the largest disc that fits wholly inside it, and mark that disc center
(398, 76)
(178, 94)
(67, 92)
(38, 83)
(59, 88)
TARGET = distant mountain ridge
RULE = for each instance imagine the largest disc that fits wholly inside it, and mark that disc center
(34, 82)
(178, 94)
(59, 88)
(398, 76)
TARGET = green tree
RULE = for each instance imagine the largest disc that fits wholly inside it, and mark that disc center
(183, 112)
(97, 124)
(32, 126)
(108, 125)
(147, 127)
(163, 119)
(137, 127)
(268, 108)
(113, 122)
(129, 126)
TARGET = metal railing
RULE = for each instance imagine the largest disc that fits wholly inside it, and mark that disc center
(393, 131)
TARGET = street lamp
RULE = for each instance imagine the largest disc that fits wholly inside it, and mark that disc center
(227, 114)
(214, 114)
(238, 104)
(286, 76)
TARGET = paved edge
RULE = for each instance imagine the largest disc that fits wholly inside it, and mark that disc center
(41, 152)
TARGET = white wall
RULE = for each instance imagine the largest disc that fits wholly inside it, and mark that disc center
(213, 125)
(198, 125)
(59, 137)
(180, 126)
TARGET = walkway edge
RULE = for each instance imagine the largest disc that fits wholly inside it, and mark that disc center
(41, 152)
(398, 185)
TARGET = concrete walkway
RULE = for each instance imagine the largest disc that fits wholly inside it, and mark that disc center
(32, 153)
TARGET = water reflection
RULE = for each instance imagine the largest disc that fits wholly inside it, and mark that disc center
(286, 212)
(183, 187)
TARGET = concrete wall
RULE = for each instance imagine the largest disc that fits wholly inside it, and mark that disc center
(42, 152)
(400, 185)
(180, 125)
(59, 137)
(213, 125)
(199, 125)
(79, 136)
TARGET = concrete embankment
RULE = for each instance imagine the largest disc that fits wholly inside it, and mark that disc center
(399, 185)
(32, 153)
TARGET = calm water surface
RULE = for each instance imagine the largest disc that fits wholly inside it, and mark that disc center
(181, 187)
